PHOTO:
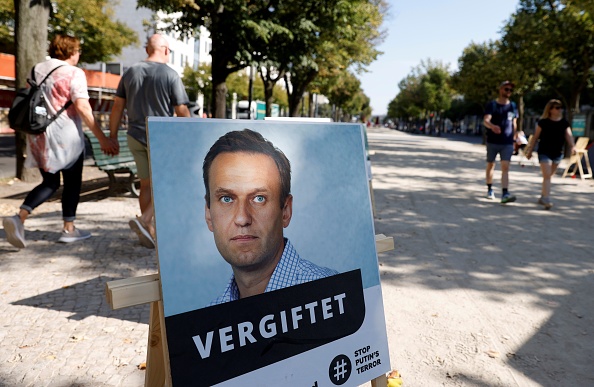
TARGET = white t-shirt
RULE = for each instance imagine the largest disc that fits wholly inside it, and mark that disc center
(63, 141)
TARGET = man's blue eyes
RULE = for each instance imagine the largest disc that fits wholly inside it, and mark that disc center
(257, 199)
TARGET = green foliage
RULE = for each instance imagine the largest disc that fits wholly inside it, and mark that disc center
(480, 72)
(554, 41)
(304, 38)
(92, 21)
(200, 82)
(424, 91)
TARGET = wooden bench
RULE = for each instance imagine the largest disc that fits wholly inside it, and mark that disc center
(123, 163)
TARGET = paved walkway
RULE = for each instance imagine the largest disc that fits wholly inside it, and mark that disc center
(476, 293)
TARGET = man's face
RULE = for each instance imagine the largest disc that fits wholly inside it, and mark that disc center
(506, 91)
(245, 212)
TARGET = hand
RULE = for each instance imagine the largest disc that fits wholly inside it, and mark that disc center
(496, 129)
(109, 146)
(528, 154)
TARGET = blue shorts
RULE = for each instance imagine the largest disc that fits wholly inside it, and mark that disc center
(505, 152)
(546, 159)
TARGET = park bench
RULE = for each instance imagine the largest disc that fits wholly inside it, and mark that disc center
(123, 163)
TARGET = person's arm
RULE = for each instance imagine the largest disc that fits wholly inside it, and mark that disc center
(487, 123)
(182, 111)
(83, 108)
(569, 139)
(115, 118)
(532, 143)
(515, 127)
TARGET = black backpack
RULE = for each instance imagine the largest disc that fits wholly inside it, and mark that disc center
(29, 111)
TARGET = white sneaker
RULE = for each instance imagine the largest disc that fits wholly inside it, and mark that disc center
(144, 236)
(76, 235)
(15, 231)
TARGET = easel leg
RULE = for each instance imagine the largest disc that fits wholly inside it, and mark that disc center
(155, 363)
(380, 381)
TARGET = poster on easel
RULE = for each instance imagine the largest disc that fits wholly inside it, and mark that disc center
(266, 252)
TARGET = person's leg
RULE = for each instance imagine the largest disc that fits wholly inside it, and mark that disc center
(39, 194)
(14, 226)
(143, 225)
(504, 174)
(146, 203)
(506, 154)
(490, 169)
(71, 193)
(546, 168)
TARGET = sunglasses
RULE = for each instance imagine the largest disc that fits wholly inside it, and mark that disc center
(557, 108)
(507, 89)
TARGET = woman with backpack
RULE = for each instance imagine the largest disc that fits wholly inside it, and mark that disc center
(59, 151)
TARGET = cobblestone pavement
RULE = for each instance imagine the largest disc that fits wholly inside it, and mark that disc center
(475, 293)
(56, 328)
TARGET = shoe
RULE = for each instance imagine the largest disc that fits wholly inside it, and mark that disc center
(546, 202)
(15, 231)
(508, 198)
(490, 194)
(144, 236)
(76, 235)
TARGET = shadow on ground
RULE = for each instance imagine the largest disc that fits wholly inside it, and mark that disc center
(482, 246)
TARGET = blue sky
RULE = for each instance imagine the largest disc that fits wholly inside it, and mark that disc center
(436, 29)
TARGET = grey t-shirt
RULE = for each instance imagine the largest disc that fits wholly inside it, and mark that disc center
(150, 89)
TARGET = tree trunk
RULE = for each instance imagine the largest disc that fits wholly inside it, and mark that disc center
(299, 83)
(269, 83)
(30, 38)
(521, 113)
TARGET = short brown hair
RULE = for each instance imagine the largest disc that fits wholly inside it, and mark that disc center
(63, 46)
(249, 141)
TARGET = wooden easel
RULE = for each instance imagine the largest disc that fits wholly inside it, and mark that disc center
(147, 289)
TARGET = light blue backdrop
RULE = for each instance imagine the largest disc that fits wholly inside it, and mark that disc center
(332, 222)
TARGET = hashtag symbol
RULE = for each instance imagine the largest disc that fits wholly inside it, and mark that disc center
(340, 370)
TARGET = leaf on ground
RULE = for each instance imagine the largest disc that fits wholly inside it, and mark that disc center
(142, 366)
(493, 354)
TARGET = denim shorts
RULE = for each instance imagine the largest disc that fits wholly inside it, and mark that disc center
(505, 152)
(546, 159)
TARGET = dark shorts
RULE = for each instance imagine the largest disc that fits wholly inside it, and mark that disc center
(505, 152)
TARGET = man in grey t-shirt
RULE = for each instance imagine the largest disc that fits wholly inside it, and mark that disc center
(148, 88)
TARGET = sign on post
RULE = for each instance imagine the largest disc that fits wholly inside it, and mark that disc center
(578, 125)
(267, 255)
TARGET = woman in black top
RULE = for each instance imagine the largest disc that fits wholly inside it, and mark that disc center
(551, 133)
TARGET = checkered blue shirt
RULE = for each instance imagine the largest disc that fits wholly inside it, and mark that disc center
(290, 270)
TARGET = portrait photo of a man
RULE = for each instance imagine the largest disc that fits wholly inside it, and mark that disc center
(265, 249)
(248, 204)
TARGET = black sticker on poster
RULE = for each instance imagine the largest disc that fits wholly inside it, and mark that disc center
(210, 345)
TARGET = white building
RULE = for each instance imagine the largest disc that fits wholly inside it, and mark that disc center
(184, 51)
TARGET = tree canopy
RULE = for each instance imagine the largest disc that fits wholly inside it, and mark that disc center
(93, 22)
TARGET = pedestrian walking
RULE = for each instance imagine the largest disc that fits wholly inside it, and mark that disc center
(500, 121)
(148, 88)
(551, 134)
(59, 151)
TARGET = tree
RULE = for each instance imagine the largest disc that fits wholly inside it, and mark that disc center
(479, 73)
(26, 25)
(100, 35)
(231, 23)
(30, 40)
(556, 39)
(343, 34)
(424, 93)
